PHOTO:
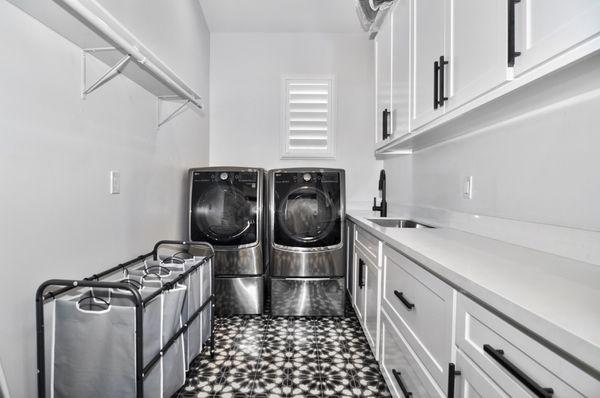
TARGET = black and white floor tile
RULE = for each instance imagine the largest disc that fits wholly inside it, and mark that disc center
(274, 357)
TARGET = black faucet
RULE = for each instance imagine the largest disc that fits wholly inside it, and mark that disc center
(382, 208)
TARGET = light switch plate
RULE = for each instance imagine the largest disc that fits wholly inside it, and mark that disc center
(115, 182)
(468, 188)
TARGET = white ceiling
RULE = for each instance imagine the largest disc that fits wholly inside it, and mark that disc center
(278, 16)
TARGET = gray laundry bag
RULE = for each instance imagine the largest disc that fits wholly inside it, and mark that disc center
(92, 346)
(199, 288)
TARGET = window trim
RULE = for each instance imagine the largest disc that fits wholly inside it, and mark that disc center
(285, 152)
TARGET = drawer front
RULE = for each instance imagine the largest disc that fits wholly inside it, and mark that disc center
(473, 382)
(370, 243)
(494, 345)
(422, 307)
(399, 362)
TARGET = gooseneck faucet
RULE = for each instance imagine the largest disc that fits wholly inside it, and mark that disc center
(382, 208)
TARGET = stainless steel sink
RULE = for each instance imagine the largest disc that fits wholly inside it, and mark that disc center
(397, 223)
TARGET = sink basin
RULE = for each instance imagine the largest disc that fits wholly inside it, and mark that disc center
(397, 223)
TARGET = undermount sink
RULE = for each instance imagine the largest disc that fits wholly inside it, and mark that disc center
(397, 223)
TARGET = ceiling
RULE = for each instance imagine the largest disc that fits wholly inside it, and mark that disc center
(279, 16)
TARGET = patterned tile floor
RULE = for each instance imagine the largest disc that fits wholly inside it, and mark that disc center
(287, 357)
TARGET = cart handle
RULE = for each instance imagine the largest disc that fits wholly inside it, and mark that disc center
(180, 242)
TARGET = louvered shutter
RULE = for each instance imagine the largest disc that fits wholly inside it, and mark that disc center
(308, 118)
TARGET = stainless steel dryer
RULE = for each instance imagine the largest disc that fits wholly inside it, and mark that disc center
(306, 241)
(226, 210)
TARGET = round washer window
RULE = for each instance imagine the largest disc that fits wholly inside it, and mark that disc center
(223, 213)
(307, 215)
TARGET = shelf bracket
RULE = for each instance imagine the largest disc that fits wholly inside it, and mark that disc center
(174, 113)
(108, 75)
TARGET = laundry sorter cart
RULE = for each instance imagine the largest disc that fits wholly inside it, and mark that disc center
(129, 335)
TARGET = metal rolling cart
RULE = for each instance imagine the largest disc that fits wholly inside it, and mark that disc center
(94, 281)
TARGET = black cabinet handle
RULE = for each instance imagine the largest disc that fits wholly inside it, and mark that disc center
(386, 114)
(498, 356)
(401, 383)
(361, 281)
(512, 54)
(452, 373)
(436, 84)
(407, 303)
(443, 98)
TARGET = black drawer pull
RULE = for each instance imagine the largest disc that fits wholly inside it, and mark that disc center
(498, 356)
(512, 54)
(443, 97)
(361, 279)
(401, 383)
(386, 123)
(407, 303)
(436, 84)
(452, 373)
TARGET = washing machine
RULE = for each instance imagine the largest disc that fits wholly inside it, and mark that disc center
(306, 241)
(226, 210)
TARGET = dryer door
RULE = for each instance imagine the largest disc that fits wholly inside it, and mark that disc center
(223, 208)
(307, 213)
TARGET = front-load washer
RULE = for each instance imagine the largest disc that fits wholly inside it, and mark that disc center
(306, 241)
(226, 210)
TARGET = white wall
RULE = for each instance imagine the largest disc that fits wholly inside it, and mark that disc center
(539, 168)
(57, 216)
(246, 71)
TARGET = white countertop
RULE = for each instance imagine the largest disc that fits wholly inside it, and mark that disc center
(556, 297)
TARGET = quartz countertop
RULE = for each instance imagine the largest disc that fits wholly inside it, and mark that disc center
(555, 297)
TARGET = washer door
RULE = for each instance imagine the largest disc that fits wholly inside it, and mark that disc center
(307, 217)
(223, 213)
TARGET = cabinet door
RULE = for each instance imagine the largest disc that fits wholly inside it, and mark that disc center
(349, 257)
(545, 28)
(428, 47)
(359, 284)
(401, 44)
(383, 76)
(372, 306)
(476, 43)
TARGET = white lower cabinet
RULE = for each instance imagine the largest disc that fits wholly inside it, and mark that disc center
(422, 307)
(358, 298)
(432, 341)
(518, 364)
(367, 295)
(372, 305)
(405, 374)
(350, 258)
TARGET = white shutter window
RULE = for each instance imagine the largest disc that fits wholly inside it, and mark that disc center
(308, 128)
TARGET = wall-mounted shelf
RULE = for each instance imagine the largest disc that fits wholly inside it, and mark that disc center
(88, 25)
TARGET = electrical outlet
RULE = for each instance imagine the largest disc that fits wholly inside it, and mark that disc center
(115, 182)
(468, 188)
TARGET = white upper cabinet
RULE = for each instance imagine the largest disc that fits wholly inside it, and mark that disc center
(438, 60)
(383, 77)
(476, 49)
(428, 47)
(546, 28)
(401, 68)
